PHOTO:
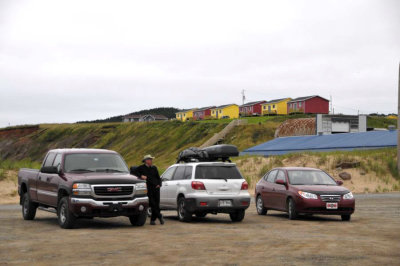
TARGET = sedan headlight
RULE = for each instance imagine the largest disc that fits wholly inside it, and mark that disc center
(308, 195)
(141, 188)
(81, 189)
(348, 196)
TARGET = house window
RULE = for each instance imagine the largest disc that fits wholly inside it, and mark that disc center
(265, 107)
(220, 111)
(299, 104)
(294, 106)
(184, 114)
(273, 106)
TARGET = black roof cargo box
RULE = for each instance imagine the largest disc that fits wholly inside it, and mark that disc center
(212, 153)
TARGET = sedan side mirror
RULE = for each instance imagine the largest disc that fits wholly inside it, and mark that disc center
(280, 182)
(339, 182)
(49, 170)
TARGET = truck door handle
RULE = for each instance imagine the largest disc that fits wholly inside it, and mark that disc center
(273, 189)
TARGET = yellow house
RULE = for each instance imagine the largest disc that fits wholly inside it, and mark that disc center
(277, 107)
(185, 115)
(225, 111)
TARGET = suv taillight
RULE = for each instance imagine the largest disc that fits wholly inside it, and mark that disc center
(197, 185)
(245, 186)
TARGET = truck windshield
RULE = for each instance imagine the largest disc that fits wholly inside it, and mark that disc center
(217, 172)
(94, 162)
(310, 177)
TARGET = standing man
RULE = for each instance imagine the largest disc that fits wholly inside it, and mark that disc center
(147, 171)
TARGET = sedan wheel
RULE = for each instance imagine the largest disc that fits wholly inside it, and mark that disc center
(292, 209)
(261, 210)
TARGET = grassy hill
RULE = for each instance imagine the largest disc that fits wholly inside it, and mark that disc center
(132, 140)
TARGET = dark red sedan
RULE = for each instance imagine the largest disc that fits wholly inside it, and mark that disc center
(299, 190)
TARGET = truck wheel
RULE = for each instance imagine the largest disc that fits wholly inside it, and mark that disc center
(292, 209)
(28, 207)
(346, 217)
(66, 218)
(261, 210)
(237, 216)
(138, 219)
(183, 214)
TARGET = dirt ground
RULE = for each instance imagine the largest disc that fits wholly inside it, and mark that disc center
(371, 238)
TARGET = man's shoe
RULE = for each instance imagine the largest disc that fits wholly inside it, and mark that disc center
(161, 219)
(152, 223)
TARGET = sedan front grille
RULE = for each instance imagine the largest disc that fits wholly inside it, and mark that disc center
(113, 190)
(330, 198)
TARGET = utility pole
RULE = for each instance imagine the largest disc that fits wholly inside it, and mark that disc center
(398, 125)
(243, 97)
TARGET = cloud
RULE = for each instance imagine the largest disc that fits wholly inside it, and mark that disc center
(76, 60)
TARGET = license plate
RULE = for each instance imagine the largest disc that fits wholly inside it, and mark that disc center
(225, 203)
(332, 206)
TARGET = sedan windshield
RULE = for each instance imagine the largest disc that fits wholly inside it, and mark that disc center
(94, 162)
(217, 172)
(310, 177)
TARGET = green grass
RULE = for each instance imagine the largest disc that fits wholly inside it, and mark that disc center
(380, 122)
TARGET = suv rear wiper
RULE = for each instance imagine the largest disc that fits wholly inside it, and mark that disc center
(81, 170)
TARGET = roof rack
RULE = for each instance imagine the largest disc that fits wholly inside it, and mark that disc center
(214, 153)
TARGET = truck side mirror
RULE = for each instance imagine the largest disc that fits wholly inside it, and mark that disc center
(339, 182)
(49, 170)
(132, 170)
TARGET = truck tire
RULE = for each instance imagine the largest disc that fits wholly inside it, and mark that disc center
(291, 206)
(261, 210)
(183, 214)
(138, 219)
(237, 216)
(66, 218)
(28, 207)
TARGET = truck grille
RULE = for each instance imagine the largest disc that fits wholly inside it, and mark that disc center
(330, 198)
(112, 191)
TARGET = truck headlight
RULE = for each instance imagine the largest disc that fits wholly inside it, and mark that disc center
(308, 195)
(81, 189)
(141, 188)
(348, 196)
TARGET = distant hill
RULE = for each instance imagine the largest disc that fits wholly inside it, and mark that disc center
(166, 111)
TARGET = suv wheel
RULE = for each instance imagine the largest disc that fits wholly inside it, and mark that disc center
(149, 212)
(138, 219)
(66, 218)
(183, 214)
(346, 217)
(28, 207)
(291, 206)
(261, 210)
(237, 216)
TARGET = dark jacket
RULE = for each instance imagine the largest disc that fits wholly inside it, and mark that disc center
(153, 177)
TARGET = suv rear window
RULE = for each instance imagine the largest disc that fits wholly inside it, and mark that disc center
(217, 172)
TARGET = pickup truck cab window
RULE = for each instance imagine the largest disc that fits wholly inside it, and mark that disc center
(57, 161)
(49, 159)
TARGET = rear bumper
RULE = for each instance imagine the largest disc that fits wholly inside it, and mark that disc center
(309, 206)
(211, 204)
(92, 208)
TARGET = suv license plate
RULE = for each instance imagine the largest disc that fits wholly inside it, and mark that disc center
(332, 206)
(225, 203)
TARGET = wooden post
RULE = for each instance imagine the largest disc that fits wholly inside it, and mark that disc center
(398, 125)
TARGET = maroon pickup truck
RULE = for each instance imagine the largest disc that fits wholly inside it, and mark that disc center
(83, 183)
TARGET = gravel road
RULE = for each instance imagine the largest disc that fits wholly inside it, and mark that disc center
(371, 238)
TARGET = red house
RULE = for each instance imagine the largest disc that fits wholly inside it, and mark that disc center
(202, 113)
(309, 105)
(252, 108)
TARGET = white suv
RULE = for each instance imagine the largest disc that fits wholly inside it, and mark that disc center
(204, 187)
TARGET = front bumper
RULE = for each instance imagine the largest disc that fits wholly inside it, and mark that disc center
(87, 207)
(317, 206)
(211, 204)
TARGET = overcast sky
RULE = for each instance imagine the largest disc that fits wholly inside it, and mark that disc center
(64, 61)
